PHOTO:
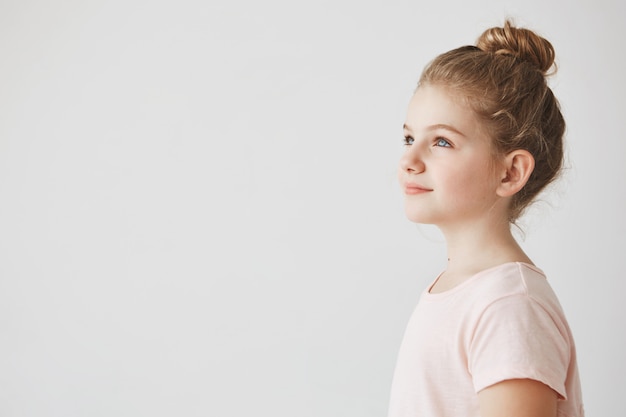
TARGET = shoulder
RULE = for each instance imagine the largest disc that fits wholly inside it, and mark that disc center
(511, 279)
(501, 295)
(520, 331)
(510, 296)
(515, 285)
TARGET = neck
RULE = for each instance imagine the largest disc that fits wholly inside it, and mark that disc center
(479, 246)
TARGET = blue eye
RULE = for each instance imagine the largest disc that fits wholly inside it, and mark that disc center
(408, 140)
(441, 142)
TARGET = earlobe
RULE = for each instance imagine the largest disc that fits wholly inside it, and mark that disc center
(518, 165)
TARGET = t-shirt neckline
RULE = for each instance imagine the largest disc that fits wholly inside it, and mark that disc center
(475, 277)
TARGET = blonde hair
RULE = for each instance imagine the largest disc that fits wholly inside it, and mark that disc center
(503, 79)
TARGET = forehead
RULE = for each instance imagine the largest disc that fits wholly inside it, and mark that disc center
(434, 105)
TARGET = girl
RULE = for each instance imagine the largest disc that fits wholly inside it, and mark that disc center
(484, 135)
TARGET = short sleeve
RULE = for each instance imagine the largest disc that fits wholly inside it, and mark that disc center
(517, 338)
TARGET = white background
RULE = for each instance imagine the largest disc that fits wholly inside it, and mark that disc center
(198, 207)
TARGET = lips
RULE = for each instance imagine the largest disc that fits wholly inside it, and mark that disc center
(413, 189)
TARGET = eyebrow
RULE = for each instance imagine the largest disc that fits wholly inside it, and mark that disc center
(437, 127)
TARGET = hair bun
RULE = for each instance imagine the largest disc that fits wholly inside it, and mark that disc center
(524, 44)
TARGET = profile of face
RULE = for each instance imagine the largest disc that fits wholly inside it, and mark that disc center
(447, 172)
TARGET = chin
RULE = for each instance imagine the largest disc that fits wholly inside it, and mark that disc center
(418, 217)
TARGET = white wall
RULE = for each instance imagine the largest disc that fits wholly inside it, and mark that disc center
(198, 207)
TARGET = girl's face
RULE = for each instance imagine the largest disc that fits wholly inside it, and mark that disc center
(447, 171)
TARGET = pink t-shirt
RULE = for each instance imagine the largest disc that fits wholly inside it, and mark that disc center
(502, 323)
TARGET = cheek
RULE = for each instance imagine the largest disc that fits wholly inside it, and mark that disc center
(468, 178)
(475, 185)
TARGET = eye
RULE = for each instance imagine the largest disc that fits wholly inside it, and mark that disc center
(408, 140)
(442, 143)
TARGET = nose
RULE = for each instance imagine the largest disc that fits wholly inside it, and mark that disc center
(412, 162)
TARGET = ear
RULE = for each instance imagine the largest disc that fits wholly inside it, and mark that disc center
(516, 169)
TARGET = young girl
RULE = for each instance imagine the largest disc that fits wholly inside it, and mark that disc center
(483, 137)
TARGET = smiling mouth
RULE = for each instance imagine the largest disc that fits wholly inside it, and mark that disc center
(415, 189)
